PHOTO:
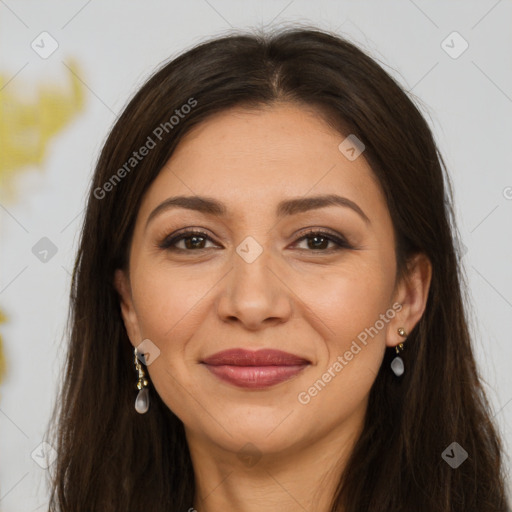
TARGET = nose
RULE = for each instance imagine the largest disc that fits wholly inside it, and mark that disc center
(254, 294)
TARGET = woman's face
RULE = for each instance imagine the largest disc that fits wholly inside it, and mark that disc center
(253, 280)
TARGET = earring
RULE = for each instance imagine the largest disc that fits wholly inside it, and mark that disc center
(142, 400)
(397, 365)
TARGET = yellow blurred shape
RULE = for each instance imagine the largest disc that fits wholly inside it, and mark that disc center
(26, 128)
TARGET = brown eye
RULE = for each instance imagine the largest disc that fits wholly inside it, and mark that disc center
(193, 240)
(318, 241)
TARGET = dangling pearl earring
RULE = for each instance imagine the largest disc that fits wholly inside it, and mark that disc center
(142, 400)
(397, 365)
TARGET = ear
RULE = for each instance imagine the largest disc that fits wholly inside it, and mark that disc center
(411, 293)
(131, 323)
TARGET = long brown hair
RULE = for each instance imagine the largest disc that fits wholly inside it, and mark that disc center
(112, 459)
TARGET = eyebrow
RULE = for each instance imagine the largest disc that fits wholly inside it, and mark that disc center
(285, 208)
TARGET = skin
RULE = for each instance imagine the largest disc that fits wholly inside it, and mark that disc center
(312, 302)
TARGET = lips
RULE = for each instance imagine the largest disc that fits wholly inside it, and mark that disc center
(264, 357)
(259, 369)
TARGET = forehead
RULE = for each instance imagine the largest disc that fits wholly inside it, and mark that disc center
(255, 158)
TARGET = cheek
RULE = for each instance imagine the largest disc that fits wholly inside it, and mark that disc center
(155, 305)
(355, 311)
(169, 306)
(350, 304)
(169, 303)
(349, 300)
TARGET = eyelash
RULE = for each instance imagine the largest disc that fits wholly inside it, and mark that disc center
(168, 243)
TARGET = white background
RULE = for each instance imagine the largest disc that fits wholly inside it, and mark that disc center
(467, 101)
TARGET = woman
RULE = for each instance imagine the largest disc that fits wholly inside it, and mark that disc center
(267, 302)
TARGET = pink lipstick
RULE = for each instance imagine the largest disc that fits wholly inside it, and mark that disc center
(255, 370)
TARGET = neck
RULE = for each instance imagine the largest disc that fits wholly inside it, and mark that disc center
(302, 477)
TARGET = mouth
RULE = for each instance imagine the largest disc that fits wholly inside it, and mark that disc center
(256, 370)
